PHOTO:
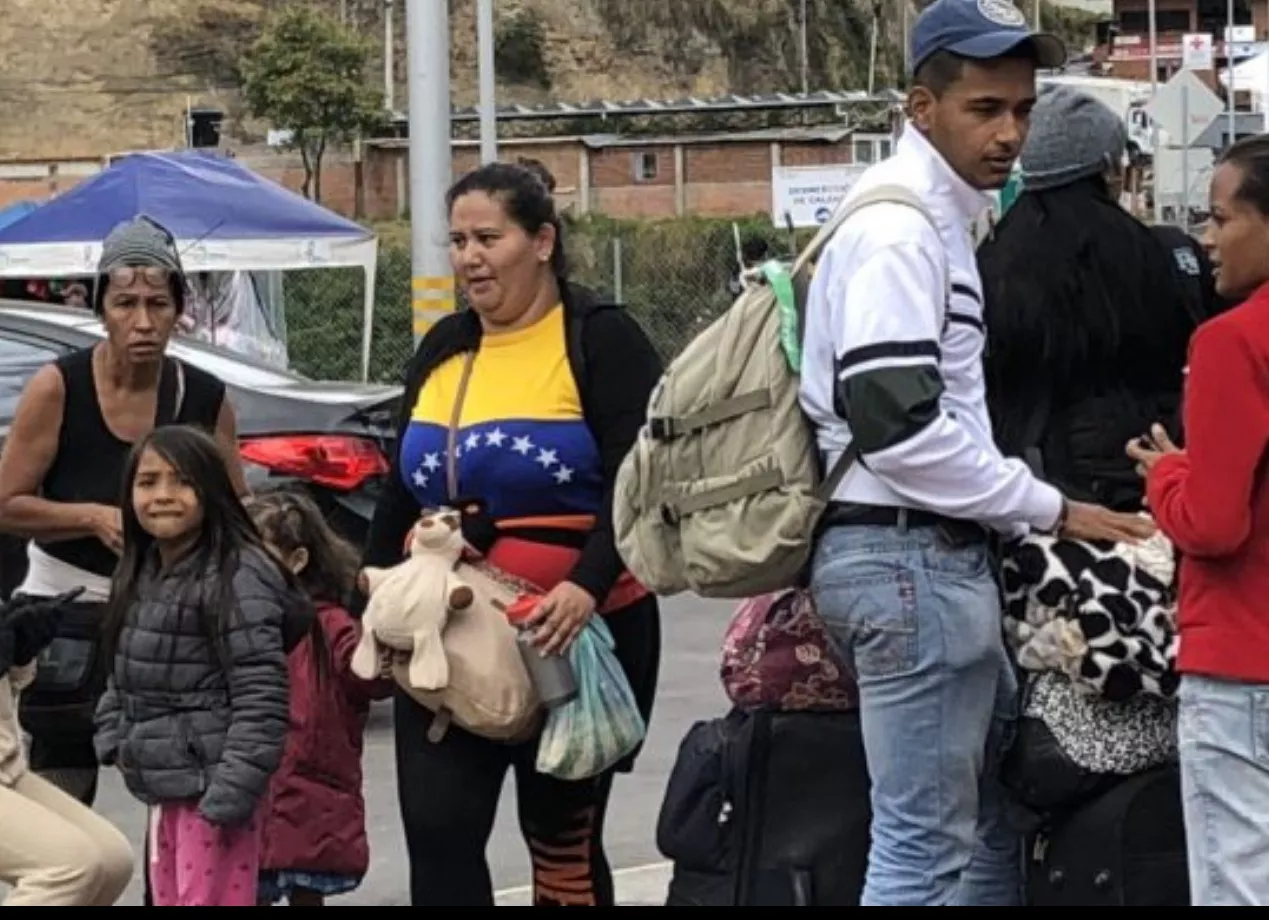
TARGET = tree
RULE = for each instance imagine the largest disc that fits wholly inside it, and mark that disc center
(306, 74)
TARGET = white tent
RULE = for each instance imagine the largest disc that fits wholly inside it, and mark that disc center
(224, 216)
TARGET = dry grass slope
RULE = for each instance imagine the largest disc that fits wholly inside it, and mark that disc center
(88, 77)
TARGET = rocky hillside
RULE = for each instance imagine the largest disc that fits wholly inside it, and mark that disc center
(87, 77)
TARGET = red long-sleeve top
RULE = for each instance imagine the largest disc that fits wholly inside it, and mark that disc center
(1212, 500)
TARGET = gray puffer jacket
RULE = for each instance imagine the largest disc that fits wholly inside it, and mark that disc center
(178, 725)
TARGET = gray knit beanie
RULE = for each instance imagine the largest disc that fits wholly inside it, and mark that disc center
(139, 243)
(1073, 136)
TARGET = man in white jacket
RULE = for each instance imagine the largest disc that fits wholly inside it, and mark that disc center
(903, 575)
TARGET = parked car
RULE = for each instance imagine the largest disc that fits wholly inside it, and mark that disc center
(331, 438)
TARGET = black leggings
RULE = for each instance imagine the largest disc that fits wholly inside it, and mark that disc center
(449, 794)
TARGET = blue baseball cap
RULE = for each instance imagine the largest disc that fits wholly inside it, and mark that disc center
(979, 29)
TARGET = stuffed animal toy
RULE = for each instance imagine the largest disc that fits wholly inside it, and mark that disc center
(410, 603)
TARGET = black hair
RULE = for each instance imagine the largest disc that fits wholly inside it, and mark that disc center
(754, 250)
(1079, 297)
(538, 168)
(1251, 156)
(225, 535)
(528, 202)
(290, 520)
(943, 69)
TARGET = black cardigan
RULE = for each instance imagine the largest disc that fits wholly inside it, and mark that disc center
(616, 368)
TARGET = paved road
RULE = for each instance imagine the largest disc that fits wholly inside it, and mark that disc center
(689, 691)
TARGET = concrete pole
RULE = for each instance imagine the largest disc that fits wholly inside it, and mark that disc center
(427, 49)
(389, 55)
(1154, 126)
(488, 100)
(802, 51)
(1229, 70)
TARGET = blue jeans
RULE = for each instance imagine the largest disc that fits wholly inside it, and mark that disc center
(1223, 741)
(920, 622)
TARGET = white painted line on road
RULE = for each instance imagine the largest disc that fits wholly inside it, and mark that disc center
(638, 884)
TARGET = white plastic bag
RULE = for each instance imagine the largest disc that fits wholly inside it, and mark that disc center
(602, 724)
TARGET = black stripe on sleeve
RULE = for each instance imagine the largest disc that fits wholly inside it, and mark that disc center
(966, 291)
(965, 319)
(881, 350)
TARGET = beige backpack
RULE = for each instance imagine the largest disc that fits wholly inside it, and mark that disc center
(723, 488)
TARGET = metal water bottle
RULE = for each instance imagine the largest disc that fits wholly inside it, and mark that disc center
(551, 675)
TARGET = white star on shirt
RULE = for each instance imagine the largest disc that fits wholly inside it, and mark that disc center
(473, 441)
(547, 458)
(432, 462)
(495, 438)
(523, 445)
(420, 479)
(563, 475)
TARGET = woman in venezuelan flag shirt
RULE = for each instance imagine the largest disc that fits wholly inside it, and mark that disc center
(549, 389)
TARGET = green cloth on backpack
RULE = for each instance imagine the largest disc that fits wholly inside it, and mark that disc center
(1009, 194)
(777, 275)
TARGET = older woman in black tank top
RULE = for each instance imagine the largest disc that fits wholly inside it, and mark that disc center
(61, 472)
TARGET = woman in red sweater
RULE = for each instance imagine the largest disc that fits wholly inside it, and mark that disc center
(315, 841)
(1212, 500)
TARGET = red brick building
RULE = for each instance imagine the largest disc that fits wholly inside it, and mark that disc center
(712, 175)
(1130, 57)
(723, 174)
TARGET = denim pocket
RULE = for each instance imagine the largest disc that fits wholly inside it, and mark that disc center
(870, 609)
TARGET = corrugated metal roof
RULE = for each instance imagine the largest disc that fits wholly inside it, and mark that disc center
(728, 103)
(829, 134)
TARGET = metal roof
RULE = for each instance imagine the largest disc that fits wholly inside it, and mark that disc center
(830, 134)
(729, 103)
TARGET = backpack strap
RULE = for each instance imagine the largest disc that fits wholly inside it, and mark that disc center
(881, 194)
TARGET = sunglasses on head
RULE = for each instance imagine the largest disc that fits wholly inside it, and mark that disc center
(127, 275)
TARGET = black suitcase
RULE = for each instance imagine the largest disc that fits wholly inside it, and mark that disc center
(768, 809)
(1123, 848)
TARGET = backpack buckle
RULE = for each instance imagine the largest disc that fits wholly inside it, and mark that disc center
(670, 515)
(663, 429)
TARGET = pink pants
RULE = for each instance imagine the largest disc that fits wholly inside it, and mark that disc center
(196, 864)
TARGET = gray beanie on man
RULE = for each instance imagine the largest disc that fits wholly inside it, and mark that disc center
(1073, 136)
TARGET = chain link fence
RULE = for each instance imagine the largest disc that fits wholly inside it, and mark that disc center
(675, 276)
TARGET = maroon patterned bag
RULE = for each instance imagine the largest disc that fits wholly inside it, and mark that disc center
(777, 654)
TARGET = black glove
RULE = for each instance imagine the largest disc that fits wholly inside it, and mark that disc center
(33, 622)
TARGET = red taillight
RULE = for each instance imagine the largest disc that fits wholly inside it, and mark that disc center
(337, 461)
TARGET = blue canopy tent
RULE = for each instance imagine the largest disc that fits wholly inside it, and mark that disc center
(225, 218)
(17, 211)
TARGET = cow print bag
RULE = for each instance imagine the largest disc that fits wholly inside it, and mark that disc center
(1093, 628)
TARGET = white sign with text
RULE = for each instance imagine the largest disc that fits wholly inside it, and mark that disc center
(808, 195)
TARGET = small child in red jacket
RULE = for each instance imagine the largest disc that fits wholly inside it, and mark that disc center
(314, 833)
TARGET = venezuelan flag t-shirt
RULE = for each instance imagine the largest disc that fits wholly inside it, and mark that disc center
(523, 445)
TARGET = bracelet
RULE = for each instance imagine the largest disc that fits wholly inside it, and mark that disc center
(1060, 524)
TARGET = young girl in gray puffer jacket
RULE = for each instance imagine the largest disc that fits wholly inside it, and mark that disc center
(195, 714)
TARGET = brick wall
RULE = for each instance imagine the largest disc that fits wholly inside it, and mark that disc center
(719, 180)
